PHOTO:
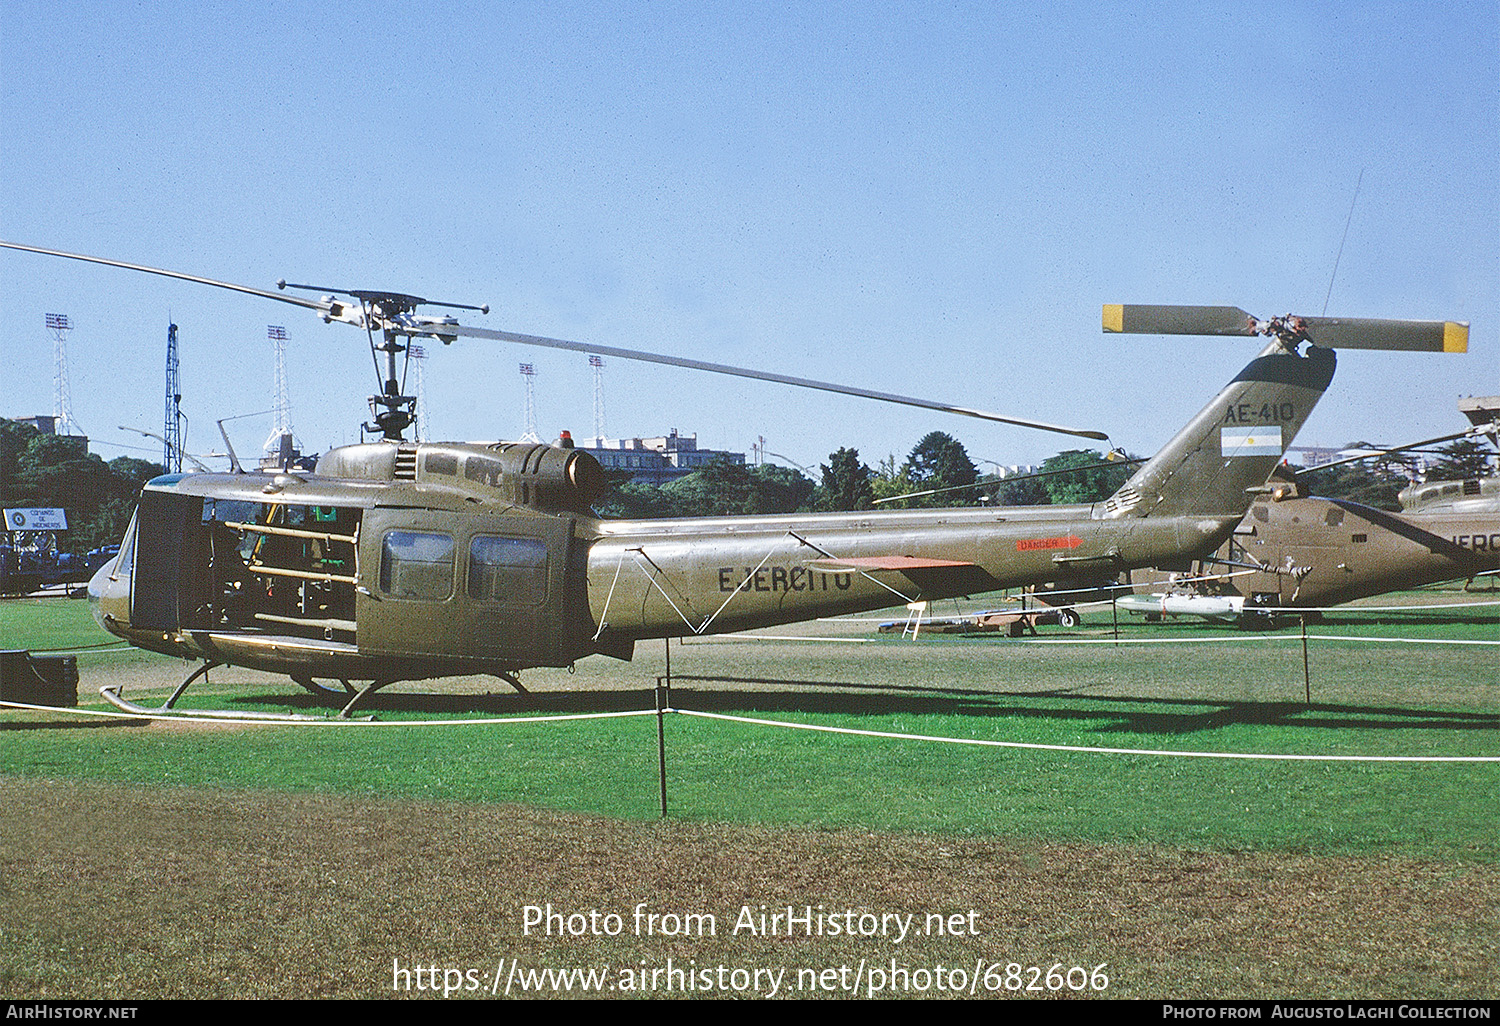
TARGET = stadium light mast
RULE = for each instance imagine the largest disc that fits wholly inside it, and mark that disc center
(528, 375)
(62, 406)
(281, 404)
(172, 426)
(597, 363)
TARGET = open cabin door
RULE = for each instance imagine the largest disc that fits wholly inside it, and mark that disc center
(472, 588)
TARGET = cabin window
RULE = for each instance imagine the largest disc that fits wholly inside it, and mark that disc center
(505, 569)
(417, 565)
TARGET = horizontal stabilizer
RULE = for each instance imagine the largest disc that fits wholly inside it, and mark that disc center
(1328, 332)
(931, 576)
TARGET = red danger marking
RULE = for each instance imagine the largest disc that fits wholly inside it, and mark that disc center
(1071, 541)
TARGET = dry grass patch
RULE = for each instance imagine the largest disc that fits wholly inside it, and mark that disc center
(130, 892)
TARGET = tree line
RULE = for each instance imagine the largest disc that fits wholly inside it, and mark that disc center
(57, 471)
(939, 472)
(42, 470)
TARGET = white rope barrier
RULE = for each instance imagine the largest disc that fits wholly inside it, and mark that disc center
(991, 639)
(1105, 604)
(893, 735)
(786, 725)
(331, 721)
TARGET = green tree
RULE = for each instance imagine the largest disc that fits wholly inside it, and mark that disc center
(720, 488)
(56, 471)
(1463, 459)
(939, 461)
(1022, 491)
(891, 481)
(776, 489)
(846, 483)
(1376, 485)
(632, 500)
(1094, 480)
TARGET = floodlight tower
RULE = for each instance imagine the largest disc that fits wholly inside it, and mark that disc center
(528, 375)
(598, 364)
(62, 411)
(282, 403)
(172, 428)
(419, 354)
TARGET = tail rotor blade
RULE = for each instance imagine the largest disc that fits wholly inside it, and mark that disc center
(1372, 333)
(1328, 332)
(1178, 320)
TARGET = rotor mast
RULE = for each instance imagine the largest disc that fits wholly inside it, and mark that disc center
(394, 312)
(392, 411)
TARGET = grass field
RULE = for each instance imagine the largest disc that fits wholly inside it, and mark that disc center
(1189, 877)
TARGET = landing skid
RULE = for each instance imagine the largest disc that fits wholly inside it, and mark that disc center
(201, 671)
(353, 695)
(112, 695)
(376, 685)
(322, 691)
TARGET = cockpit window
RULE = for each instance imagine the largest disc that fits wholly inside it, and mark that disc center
(126, 562)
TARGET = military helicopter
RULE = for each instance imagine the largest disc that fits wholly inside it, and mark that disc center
(1295, 551)
(1471, 495)
(1468, 494)
(396, 561)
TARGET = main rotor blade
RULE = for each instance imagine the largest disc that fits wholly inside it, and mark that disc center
(445, 330)
(781, 379)
(1375, 453)
(1329, 332)
(279, 297)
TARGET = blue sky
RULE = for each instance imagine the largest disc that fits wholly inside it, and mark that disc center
(932, 199)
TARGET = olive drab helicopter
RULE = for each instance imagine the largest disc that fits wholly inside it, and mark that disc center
(395, 560)
(1297, 551)
(1467, 494)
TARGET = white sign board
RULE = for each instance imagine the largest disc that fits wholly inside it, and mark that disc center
(36, 520)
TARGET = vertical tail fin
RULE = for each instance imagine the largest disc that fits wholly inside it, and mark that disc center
(1233, 444)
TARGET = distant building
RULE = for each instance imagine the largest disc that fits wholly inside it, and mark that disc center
(42, 422)
(1314, 455)
(47, 425)
(658, 460)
